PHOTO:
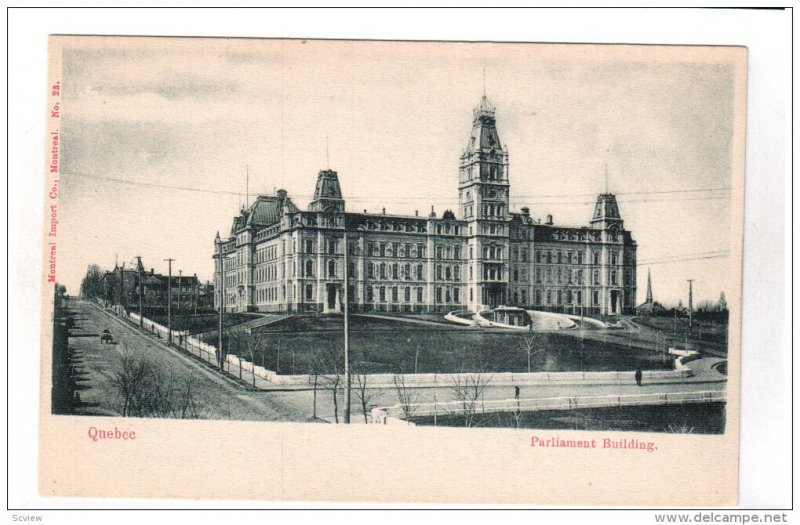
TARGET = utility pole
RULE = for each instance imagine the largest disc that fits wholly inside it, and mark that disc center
(221, 305)
(346, 329)
(690, 303)
(180, 290)
(141, 290)
(122, 286)
(169, 301)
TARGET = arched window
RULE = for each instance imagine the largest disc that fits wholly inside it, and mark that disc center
(447, 273)
(331, 268)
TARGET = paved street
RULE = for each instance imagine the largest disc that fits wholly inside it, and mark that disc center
(219, 397)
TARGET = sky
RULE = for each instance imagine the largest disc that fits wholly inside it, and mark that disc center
(158, 136)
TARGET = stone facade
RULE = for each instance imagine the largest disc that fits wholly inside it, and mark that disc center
(281, 259)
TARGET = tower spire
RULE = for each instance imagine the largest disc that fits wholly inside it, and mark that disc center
(649, 299)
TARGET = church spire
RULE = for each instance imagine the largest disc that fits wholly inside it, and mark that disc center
(649, 299)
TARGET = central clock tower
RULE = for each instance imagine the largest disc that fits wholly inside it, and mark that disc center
(483, 197)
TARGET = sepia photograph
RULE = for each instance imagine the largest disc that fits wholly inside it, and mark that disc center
(535, 242)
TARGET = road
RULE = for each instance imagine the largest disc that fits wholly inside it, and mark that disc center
(218, 397)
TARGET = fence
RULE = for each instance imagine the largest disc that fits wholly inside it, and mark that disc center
(270, 379)
(391, 414)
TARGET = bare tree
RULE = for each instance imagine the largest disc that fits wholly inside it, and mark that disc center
(315, 369)
(253, 343)
(363, 393)
(467, 389)
(407, 397)
(146, 390)
(529, 345)
(333, 377)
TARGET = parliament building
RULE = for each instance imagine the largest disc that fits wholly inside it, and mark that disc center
(279, 258)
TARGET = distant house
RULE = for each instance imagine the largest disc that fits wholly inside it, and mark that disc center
(122, 286)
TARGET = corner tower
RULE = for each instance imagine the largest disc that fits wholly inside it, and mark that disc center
(328, 193)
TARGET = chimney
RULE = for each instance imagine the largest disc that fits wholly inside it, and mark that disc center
(281, 194)
(152, 272)
(365, 211)
(549, 220)
(384, 211)
(526, 212)
(416, 213)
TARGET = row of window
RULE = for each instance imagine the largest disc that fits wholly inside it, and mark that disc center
(548, 257)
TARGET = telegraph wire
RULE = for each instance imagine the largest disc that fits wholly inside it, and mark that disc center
(450, 201)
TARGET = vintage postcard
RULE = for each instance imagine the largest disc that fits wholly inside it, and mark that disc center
(392, 272)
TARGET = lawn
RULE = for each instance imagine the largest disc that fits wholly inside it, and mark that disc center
(202, 322)
(385, 346)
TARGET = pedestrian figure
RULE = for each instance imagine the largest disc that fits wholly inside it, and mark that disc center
(516, 392)
(638, 377)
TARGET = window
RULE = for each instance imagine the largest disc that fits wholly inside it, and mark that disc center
(596, 298)
(395, 271)
(383, 271)
(558, 255)
(419, 294)
(549, 257)
(382, 294)
(596, 257)
(580, 257)
(439, 252)
(538, 297)
(419, 272)
(394, 294)
(538, 257)
(332, 246)
(370, 297)
(456, 252)
(331, 268)
(351, 269)
(309, 268)
(455, 295)
(569, 296)
(407, 294)
(438, 294)
(538, 276)
(309, 292)
(407, 271)
(447, 295)
(558, 297)
(457, 273)
(447, 273)
(549, 297)
(596, 277)
(579, 298)
(439, 272)
(309, 246)
(524, 297)
(613, 277)
(371, 271)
